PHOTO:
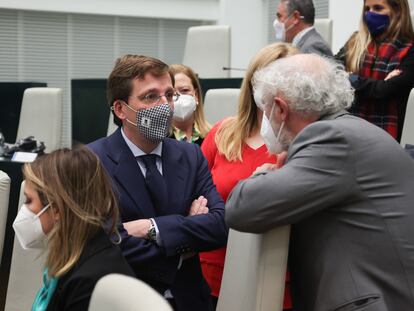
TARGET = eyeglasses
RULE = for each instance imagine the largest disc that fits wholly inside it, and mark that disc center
(154, 98)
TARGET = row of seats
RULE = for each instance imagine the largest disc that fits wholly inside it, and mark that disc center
(209, 63)
(260, 286)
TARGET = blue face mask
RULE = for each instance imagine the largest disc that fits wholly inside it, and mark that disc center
(376, 23)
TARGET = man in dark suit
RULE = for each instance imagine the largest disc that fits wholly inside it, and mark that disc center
(346, 187)
(169, 205)
(294, 24)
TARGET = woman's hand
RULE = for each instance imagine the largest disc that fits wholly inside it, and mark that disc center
(198, 207)
(393, 74)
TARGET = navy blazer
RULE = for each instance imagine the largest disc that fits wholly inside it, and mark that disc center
(187, 176)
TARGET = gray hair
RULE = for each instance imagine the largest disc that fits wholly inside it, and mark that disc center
(304, 7)
(310, 84)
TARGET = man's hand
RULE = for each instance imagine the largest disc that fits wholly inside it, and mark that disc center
(198, 207)
(393, 74)
(138, 228)
(265, 167)
(281, 158)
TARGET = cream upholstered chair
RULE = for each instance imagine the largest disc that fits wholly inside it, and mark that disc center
(220, 103)
(254, 271)
(4, 206)
(324, 27)
(124, 293)
(112, 127)
(25, 274)
(407, 136)
(207, 50)
(41, 116)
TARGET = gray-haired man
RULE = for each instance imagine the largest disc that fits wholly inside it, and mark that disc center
(294, 24)
(346, 187)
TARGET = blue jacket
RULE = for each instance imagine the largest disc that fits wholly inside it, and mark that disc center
(187, 176)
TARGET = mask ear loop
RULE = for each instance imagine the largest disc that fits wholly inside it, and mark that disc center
(42, 211)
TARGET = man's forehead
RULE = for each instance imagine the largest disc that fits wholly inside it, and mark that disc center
(153, 81)
(281, 9)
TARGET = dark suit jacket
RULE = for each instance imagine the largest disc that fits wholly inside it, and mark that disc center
(312, 42)
(99, 258)
(187, 176)
(347, 188)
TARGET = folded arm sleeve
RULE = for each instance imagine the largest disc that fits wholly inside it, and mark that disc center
(381, 89)
(317, 174)
(200, 232)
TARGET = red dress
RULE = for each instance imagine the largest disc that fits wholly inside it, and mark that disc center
(225, 176)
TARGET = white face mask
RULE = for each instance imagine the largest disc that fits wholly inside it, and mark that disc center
(272, 142)
(280, 29)
(184, 107)
(28, 228)
(280, 32)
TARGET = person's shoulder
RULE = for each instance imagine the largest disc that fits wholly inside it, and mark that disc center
(100, 257)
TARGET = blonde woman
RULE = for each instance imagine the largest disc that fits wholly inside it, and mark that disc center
(189, 123)
(380, 57)
(68, 201)
(234, 149)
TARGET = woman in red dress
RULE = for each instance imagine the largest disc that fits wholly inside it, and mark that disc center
(234, 149)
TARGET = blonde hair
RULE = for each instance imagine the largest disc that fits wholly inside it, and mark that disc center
(199, 118)
(233, 132)
(400, 28)
(77, 187)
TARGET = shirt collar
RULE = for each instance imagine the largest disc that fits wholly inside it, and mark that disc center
(180, 135)
(300, 35)
(137, 152)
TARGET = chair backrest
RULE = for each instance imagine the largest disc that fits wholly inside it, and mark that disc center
(254, 271)
(25, 274)
(112, 127)
(324, 27)
(4, 206)
(220, 103)
(207, 50)
(41, 116)
(124, 293)
(407, 136)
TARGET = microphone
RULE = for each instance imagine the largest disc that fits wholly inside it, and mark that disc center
(233, 68)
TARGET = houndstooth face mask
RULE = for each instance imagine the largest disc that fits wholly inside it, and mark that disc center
(153, 123)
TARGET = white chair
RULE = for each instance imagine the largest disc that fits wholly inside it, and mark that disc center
(324, 27)
(412, 17)
(407, 136)
(4, 206)
(124, 293)
(220, 103)
(254, 271)
(207, 50)
(41, 116)
(112, 127)
(25, 274)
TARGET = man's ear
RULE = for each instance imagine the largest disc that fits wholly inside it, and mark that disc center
(117, 107)
(283, 107)
(297, 16)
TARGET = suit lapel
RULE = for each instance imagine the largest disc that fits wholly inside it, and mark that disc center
(129, 176)
(175, 172)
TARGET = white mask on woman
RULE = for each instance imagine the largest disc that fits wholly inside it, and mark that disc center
(184, 107)
(28, 228)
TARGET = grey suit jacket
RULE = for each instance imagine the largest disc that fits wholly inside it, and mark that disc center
(312, 42)
(347, 188)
